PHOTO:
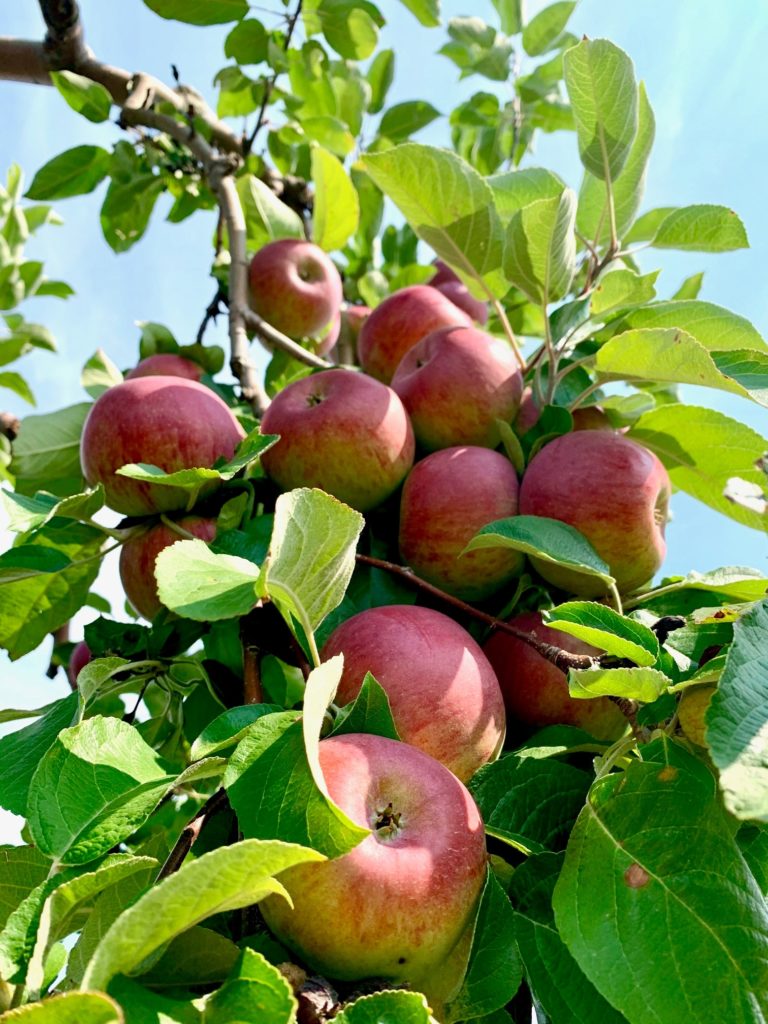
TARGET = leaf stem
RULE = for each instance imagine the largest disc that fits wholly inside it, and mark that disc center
(594, 386)
(635, 600)
(176, 528)
(501, 313)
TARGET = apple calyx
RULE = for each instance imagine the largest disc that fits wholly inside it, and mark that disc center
(387, 822)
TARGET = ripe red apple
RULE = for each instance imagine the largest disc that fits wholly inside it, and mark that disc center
(613, 491)
(343, 432)
(396, 905)
(399, 322)
(295, 287)
(446, 499)
(444, 696)
(168, 422)
(166, 364)
(443, 274)
(78, 659)
(536, 691)
(138, 555)
(455, 383)
(462, 297)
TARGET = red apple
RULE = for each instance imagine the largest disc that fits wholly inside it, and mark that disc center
(455, 383)
(168, 422)
(138, 555)
(462, 297)
(444, 696)
(446, 499)
(399, 322)
(352, 320)
(78, 659)
(613, 491)
(343, 432)
(536, 691)
(295, 287)
(396, 905)
(443, 274)
(528, 412)
(166, 364)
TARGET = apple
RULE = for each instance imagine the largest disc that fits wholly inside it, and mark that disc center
(455, 383)
(396, 905)
(536, 691)
(444, 695)
(446, 499)
(343, 432)
(352, 320)
(138, 555)
(78, 659)
(166, 364)
(401, 320)
(462, 297)
(168, 422)
(295, 287)
(611, 489)
(691, 712)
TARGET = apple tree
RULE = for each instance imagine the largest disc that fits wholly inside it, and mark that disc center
(401, 720)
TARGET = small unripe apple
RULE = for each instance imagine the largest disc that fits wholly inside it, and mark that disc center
(446, 499)
(168, 422)
(139, 553)
(343, 432)
(536, 691)
(444, 695)
(611, 489)
(166, 364)
(396, 905)
(455, 383)
(401, 320)
(295, 287)
(691, 712)
(78, 659)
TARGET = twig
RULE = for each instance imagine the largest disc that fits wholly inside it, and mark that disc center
(190, 833)
(274, 339)
(253, 691)
(212, 310)
(270, 84)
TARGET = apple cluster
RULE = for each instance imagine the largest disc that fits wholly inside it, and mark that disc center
(409, 422)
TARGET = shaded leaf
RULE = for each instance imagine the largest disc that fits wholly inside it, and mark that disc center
(72, 173)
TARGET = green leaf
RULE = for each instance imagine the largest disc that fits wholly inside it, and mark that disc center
(621, 889)
(547, 539)
(690, 287)
(735, 583)
(95, 786)
(747, 369)
(513, 190)
(646, 226)
(310, 521)
(99, 374)
(702, 449)
(199, 584)
(38, 605)
(228, 728)
(737, 719)
(336, 211)
(369, 712)
(200, 12)
(494, 972)
(86, 97)
(448, 205)
(703, 228)
(350, 26)
(600, 79)
(70, 1008)
(25, 514)
(554, 977)
(384, 1007)
(330, 132)
(16, 383)
(592, 218)
(255, 991)
(535, 800)
(427, 11)
(225, 879)
(143, 1006)
(72, 173)
(715, 328)
(380, 76)
(621, 288)
(22, 869)
(510, 14)
(22, 751)
(267, 218)
(30, 560)
(602, 627)
(247, 42)
(127, 208)
(404, 119)
(540, 249)
(545, 28)
(643, 684)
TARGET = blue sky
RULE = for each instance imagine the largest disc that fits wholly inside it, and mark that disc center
(707, 76)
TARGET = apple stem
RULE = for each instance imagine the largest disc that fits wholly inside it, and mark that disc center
(594, 386)
(562, 659)
(615, 597)
(190, 833)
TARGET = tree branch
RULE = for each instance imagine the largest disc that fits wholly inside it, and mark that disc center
(270, 85)
(190, 833)
(274, 339)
